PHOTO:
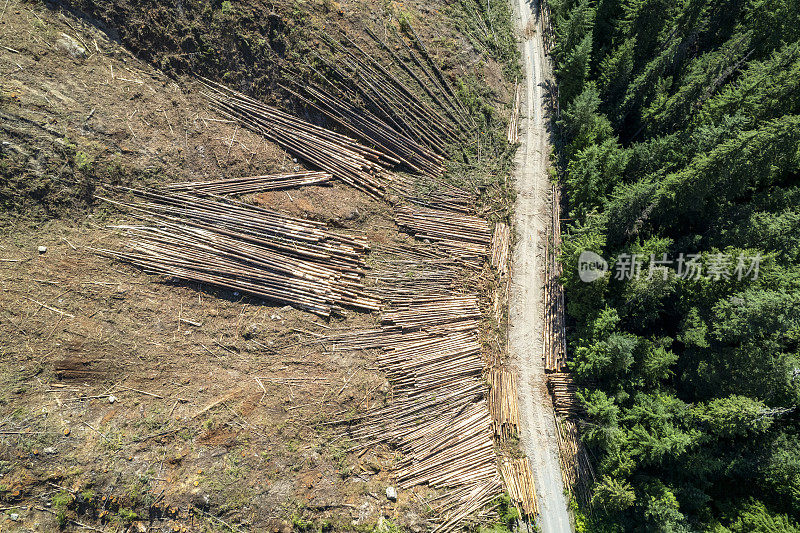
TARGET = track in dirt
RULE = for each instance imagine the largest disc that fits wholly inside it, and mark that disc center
(538, 435)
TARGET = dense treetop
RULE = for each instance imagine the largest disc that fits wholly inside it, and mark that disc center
(681, 155)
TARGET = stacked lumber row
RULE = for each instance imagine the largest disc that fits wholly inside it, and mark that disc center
(548, 33)
(241, 247)
(366, 99)
(418, 313)
(563, 390)
(253, 184)
(501, 242)
(464, 236)
(519, 482)
(513, 122)
(435, 75)
(503, 402)
(404, 273)
(457, 505)
(436, 194)
(438, 417)
(576, 468)
(554, 335)
(345, 159)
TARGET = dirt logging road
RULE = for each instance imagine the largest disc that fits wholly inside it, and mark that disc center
(538, 436)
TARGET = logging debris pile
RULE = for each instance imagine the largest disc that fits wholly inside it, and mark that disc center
(355, 164)
(464, 236)
(252, 184)
(519, 481)
(242, 247)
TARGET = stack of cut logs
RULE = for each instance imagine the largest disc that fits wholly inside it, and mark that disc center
(513, 122)
(501, 239)
(519, 481)
(576, 468)
(548, 33)
(438, 417)
(252, 184)
(241, 247)
(575, 465)
(364, 97)
(432, 81)
(403, 271)
(503, 402)
(418, 313)
(555, 340)
(500, 251)
(465, 237)
(437, 194)
(347, 160)
(563, 389)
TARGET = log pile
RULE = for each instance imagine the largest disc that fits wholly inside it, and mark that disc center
(438, 417)
(405, 271)
(465, 237)
(371, 128)
(563, 390)
(501, 241)
(576, 468)
(241, 247)
(548, 32)
(437, 194)
(457, 505)
(362, 96)
(519, 482)
(513, 122)
(345, 159)
(555, 339)
(500, 301)
(252, 184)
(503, 403)
(435, 75)
(419, 313)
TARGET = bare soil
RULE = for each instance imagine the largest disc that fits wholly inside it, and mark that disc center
(130, 399)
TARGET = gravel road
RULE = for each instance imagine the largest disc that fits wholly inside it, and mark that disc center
(538, 432)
